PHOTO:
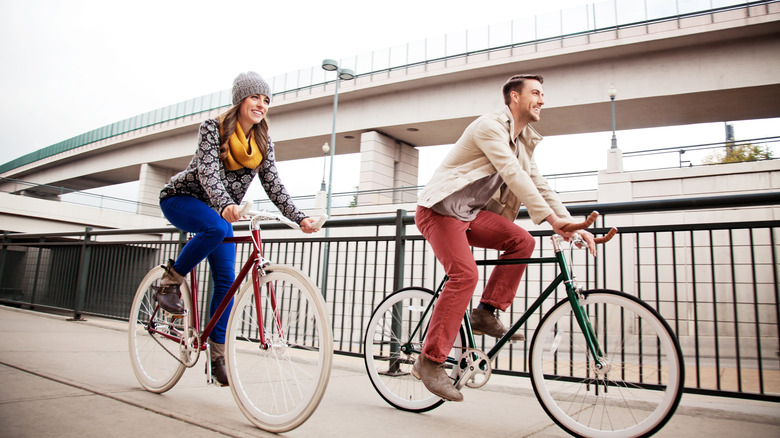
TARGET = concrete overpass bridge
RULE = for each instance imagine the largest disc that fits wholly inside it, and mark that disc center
(707, 66)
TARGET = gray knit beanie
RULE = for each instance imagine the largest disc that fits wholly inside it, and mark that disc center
(247, 84)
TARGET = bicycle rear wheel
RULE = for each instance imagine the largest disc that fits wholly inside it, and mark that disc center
(638, 389)
(156, 359)
(398, 321)
(278, 384)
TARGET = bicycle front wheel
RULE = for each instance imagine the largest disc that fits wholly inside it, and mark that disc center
(394, 338)
(279, 349)
(638, 386)
(155, 338)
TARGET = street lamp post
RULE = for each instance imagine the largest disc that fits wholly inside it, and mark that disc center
(614, 155)
(325, 150)
(612, 94)
(343, 74)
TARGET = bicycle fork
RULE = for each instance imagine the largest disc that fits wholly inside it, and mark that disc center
(576, 297)
(260, 263)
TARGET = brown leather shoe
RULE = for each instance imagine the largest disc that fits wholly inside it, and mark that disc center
(219, 372)
(169, 298)
(484, 322)
(168, 294)
(218, 369)
(435, 378)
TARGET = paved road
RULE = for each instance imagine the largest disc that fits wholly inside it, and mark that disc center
(73, 379)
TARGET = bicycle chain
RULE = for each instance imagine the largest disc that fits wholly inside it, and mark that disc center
(188, 364)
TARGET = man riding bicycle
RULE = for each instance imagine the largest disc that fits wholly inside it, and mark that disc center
(472, 199)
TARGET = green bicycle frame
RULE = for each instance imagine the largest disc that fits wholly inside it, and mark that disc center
(564, 276)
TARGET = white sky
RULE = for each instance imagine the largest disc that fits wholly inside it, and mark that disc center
(72, 66)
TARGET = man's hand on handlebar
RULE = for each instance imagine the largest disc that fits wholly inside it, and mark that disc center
(569, 230)
(588, 238)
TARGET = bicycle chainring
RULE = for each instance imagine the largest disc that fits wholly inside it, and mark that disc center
(474, 369)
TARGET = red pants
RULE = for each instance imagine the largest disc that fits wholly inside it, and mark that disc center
(451, 240)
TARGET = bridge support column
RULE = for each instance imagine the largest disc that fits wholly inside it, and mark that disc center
(387, 167)
(151, 180)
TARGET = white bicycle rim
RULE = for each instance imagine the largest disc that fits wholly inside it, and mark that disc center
(639, 347)
(280, 385)
(154, 357)
(390, 369)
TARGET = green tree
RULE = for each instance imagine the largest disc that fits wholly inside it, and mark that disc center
(353, 203)
(738, 154)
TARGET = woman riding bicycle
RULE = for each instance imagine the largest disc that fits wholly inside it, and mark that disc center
(204, 199)
(472, 200)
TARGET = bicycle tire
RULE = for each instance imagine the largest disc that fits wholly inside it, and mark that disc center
(390, 371)
(156, 359)
(279, 385)
(639, 389)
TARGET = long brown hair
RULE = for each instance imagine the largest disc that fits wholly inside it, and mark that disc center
(227, 126)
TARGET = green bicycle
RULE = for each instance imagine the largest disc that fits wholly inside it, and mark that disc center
(602, 363)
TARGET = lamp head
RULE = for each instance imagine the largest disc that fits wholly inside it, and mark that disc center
(346, 74)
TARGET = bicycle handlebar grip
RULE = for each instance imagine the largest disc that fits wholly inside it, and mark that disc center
(244, 209)
(582, 225)
(319, 222)
(588, 222)
(606, 238)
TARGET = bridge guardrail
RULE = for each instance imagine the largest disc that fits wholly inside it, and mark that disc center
(717, 283)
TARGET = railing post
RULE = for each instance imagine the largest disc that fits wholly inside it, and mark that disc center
(398, 280)
(42, 240)
(2, 256)
(182, 242)
(325, 262)
(400, 249)
(83, 276)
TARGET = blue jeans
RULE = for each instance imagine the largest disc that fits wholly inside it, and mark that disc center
(194, 216)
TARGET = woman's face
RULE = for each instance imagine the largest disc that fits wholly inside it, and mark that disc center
(252, 110)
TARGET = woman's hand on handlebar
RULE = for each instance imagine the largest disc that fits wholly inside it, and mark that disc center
(307, 225)
(231, 213)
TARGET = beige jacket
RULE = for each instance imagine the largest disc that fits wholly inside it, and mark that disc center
(487, 147)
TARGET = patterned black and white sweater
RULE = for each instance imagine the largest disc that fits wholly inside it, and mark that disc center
(206, 178)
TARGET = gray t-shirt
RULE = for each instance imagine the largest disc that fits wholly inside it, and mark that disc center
(466, 203)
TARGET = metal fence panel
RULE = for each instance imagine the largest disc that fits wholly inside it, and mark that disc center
(715, 283)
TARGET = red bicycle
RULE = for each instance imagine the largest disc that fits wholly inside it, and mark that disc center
(278, 346)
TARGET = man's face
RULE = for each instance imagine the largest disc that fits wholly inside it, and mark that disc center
(529, 101)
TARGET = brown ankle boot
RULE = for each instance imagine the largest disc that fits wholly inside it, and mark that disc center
(168, 294)
(435, 378)
(484, 322)
(218, 369)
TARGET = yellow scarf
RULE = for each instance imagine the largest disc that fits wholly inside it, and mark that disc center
(242, 153)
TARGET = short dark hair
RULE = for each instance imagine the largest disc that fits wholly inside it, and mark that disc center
(515, 83)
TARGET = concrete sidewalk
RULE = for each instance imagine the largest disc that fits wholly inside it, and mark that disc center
(73, 379)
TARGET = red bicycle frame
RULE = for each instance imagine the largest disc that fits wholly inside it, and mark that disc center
(253, 263)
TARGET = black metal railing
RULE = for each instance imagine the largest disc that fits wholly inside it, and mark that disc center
(715, 281)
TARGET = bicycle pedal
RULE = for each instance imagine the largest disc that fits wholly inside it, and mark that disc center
(173, 315)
